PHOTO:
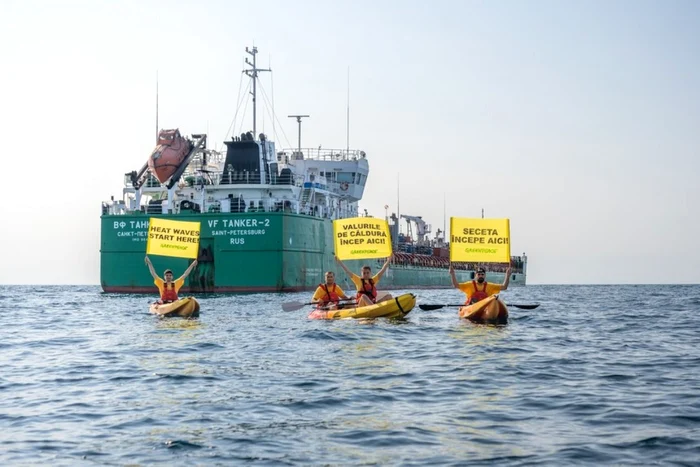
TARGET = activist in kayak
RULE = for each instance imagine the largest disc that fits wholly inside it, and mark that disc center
(167, 287)
(478, 289)
(366, 284)
(329, 294)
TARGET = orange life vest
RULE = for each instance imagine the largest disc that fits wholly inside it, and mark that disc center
(169, 293)
(478, 294)
(330, 296)
(368, 289)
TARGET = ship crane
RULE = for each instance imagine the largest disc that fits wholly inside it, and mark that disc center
(421, 227)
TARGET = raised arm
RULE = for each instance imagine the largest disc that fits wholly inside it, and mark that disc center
(189, 270)
(453, 276)
(345, 268)
(384, 268)
(150, 268)
(504, 286)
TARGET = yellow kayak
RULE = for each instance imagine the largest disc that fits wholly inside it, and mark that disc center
(187, 307)
(396, 307)
(488, 310)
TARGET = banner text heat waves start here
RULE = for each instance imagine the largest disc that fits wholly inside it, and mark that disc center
(171, 234)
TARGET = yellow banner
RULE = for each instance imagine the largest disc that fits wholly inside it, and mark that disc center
(173, 238)
(361, 238)
(480, 240)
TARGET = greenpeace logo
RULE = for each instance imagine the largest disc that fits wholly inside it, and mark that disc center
(480, 250)
(178, 247)
(362, 252)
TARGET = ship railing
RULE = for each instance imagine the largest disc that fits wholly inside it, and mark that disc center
(149, 182)
(318, 154)
(409, 260)
(114, 208)
(278, 205)
(409, 265)
(194, 206)
(345, 214)
(325, 212)
(199, 178)
(191, 178)
(244, 204)
(227, 205)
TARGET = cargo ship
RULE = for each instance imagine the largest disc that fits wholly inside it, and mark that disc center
(266, 218)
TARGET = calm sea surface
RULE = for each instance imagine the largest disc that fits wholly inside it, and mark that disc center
(595, 375)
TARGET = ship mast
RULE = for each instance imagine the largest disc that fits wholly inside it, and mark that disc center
(253, 74)
(299, 117)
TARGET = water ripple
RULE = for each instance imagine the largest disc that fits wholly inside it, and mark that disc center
(595, 375)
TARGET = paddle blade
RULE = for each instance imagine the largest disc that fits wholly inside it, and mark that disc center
(431, 307)
(437, 307)
(524, 307)
(293, 306)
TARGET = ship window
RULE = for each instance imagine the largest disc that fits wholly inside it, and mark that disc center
(344, 177)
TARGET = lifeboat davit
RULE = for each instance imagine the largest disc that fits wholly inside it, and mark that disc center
(171, 151)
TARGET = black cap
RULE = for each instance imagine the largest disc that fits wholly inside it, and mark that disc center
(480, 269)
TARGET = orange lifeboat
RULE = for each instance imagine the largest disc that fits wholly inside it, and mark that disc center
(168, 155)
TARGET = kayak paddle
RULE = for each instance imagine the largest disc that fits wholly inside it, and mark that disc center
(437, 307)
(294, 306)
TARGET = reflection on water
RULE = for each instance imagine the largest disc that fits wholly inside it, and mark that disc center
(177, 323)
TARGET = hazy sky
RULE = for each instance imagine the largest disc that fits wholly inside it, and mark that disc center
(580, 121)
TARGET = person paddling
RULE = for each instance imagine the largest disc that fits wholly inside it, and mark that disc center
(479, 289)
(167, 287)
(367, 284)
(329, 294)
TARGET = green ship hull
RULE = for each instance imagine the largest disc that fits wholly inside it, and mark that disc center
(248, 253)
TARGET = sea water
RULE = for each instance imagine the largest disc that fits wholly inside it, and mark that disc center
(595, 375)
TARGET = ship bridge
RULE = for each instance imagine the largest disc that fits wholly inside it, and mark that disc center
(340, 172)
